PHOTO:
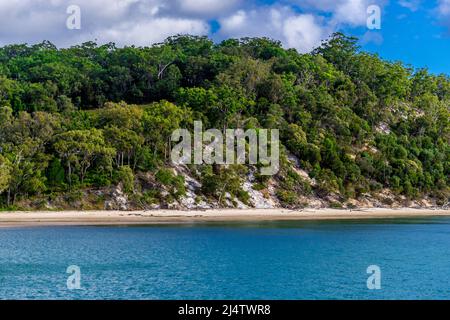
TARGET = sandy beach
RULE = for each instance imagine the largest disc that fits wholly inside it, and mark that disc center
(53, 218)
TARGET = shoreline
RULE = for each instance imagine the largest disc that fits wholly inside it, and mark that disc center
(106, 218)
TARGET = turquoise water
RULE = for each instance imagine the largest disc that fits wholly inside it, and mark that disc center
(271, 260)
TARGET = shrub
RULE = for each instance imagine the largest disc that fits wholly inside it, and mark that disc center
(175, 183)
(287, 198)
(126, 176)
(335, 205)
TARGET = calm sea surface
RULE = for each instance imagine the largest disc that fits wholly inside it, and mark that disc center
(270, 260)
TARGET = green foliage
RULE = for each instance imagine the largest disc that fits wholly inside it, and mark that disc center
(336, 205)
(288, 198)
(5, 174)
(126, 177)
(81, 149)
(175, 183)
(159, 121)
(149, 197)
(55, 174)
(217, 181)
(90, 116)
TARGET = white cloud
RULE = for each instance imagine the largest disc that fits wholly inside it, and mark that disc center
(300, 31)
(343, 12)
(152, 31)
(209, 8)
(303, 32)
(443, 13)
(353, 12)
(412, 5)
(444, 7)
(143, 22)
(140, 22)
(321, 5)
(234, 23)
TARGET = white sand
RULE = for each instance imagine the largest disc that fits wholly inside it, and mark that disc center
(42, 218)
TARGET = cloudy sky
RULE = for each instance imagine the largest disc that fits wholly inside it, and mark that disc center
(414, 31)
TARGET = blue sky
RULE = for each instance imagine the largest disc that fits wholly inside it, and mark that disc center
(416, 32)
(416, 37)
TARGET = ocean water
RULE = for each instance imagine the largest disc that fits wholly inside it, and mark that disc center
(267, 260)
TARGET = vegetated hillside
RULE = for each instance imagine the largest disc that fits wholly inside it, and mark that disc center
(89, 127)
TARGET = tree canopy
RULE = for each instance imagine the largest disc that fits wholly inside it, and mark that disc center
(93, 115)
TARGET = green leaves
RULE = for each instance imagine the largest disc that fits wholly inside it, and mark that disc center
(5, 173)
(89, 114)
(80, 148)
(159, 121)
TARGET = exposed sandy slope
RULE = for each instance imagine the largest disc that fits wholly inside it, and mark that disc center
(38, 218)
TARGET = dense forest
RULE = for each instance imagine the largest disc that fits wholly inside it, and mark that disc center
(76, 122)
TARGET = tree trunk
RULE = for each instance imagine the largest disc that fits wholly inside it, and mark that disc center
(70, 174)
